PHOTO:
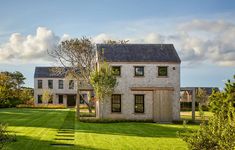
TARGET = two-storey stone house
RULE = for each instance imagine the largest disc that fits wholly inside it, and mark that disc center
(63, 90)
(148, 82)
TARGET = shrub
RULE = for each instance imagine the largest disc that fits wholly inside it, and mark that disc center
(4, 136)
(42, 106)
(97, 120)
(219, 132)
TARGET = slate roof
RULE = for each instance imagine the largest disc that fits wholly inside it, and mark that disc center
(47, 72)
(208, 90)
(138, 53)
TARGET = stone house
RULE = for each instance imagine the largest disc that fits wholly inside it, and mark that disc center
(148, 82)
(63, 90)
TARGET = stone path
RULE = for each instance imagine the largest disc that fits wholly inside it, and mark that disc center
(65, 135)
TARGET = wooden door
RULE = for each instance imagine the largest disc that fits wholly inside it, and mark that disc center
(162, 105)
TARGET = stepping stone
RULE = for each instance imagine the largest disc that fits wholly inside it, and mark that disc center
(65, 135)
(63, 139)
(62, 144)
(65, 132)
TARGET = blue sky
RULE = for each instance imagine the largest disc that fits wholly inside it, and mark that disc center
(203, 32)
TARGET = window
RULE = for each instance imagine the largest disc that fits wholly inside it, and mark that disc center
(139, 103)
(82, 97)
(39, 84)
(139, 71)
(50, 84)
(116, 103)
(162, 71)
(116, 70)
(61, 99)
(61, 84)
(39, 99)
(71, 84)
(50, 101)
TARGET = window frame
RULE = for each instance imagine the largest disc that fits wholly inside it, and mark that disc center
(158, 68)
(61, 96)
(82, 98)
(120, 103)
(136, 75)
(139, 112)
(60, 85)
(49, 84)
(120, 72)
(71, 87)
(39, 98)
(40, 84)
(50, 101)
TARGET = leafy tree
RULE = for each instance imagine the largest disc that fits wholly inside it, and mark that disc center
(103, 81)
(6, 89)
(46, 96)
(219, 132)
(78, 58)
(201, 97)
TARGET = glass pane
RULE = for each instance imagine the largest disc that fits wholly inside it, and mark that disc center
(162, 71)
(139, 71)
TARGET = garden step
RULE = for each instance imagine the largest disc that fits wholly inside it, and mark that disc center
(64, 139)
(65, 135)
(62, 144)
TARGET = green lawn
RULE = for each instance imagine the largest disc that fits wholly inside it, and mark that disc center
(39, 128)
(187, 115)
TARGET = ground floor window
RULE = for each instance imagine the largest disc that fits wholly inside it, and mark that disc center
(82, 98)
(50, 101)
(61, 99)
(39, 99)
(139, 103)
(116, 103)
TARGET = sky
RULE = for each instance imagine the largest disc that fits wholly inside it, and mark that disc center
(202, 31)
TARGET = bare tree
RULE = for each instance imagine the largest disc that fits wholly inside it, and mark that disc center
(78, 60)
(77, 56)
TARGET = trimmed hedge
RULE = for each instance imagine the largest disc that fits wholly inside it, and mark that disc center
(42, 106)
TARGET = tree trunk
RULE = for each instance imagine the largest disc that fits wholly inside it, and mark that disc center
(78, 105)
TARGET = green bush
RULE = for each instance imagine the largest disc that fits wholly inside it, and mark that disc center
(42, 106)
(97, 120)
(4, 136)
(219, 132)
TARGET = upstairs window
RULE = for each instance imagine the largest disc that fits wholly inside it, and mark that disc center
(71, 84)
(39, 84)
(139, 103)
(116, 103)
(116, 70)
(50, 84)
(139, 71)
(162, 71)
(61, 84)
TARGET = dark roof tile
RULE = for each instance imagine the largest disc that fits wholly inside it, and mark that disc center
(138, 52)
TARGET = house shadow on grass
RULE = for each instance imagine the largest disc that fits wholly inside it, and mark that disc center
(130, 129)
(27, 143)
(44, 118)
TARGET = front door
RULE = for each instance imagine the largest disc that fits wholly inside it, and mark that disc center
(162, 106)
(71, 100)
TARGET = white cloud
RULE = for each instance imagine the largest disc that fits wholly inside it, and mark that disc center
(215, 43)
(22, 48)
(197, 41)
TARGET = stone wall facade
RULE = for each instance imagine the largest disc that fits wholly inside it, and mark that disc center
(127, 80)
(55, 91)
